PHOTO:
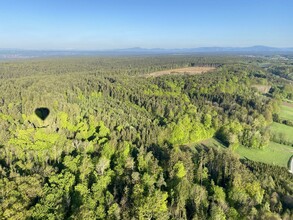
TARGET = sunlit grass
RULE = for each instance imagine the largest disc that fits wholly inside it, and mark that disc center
(274, 153)
(284, 130)
(286, 112)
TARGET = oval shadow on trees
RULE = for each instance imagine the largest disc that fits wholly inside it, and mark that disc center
(42, 113)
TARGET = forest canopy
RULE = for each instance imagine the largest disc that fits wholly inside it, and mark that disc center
(97, 138)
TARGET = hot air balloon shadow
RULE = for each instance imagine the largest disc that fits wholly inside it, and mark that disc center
(42, 113)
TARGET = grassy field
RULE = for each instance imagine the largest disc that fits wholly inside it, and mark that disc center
(286, 111)
(288, 100)
(212, 142)
(276, 154)
(287, 131)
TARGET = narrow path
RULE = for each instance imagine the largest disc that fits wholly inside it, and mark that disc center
(291, 165)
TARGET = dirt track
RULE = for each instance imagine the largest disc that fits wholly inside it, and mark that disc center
(291, 164)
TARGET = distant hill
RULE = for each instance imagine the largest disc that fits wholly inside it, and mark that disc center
(214, 49)
(7, 54)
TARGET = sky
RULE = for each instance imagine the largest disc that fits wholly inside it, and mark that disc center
(109, 24)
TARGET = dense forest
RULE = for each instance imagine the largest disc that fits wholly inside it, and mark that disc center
(97, 138)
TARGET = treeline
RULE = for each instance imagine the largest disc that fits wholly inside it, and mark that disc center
(284, 71)
(114, 145)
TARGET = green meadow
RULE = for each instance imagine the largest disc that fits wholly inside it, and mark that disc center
(274, 153)
(286, 112)
(284, 131)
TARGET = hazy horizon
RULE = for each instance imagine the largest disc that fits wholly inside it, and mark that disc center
(143, 48)
(91, 25)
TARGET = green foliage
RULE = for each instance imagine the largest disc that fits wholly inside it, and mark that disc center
(179, 169)
(186, 131)
(282, 133)
(119, 145)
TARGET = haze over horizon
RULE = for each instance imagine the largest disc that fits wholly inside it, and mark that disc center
(106, 25)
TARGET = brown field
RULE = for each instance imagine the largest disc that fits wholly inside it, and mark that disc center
(186, 70)
(262, 88)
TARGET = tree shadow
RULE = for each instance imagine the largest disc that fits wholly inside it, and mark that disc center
(42, 112)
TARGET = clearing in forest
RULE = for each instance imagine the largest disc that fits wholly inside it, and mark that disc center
(287, 111)
(283, 131)
(186, 70)
(262, 88)
(274, 153)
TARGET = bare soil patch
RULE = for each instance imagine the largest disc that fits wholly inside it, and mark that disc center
(186, 70)
(262, 88)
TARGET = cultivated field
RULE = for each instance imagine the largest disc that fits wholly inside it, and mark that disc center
(186, 70)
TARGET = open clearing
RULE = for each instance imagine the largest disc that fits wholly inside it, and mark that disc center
(186, 70)
(262, 88)
(274, 153)
(287, 111)
(212, 142)
(285, 131)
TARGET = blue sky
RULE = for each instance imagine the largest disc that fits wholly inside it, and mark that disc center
(108, 24)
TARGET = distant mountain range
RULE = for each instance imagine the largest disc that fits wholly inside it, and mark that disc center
(26, 54)
(213, 49)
